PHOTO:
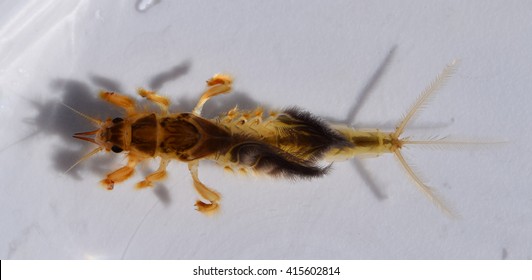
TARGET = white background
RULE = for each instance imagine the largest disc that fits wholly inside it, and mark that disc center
(357, 62)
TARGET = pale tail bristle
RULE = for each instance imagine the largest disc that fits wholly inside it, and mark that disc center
(444, 142)
(436, 84)
(426, 190)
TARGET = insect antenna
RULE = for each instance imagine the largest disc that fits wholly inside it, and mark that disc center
(89, 118)
(93, 152)
(80, 135)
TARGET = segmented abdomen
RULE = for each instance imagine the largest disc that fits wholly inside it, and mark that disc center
(288, 143)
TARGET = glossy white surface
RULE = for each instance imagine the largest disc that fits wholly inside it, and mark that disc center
(356, 61)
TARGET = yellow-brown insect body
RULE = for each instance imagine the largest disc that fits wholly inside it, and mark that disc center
(365, 143)
(289, 143)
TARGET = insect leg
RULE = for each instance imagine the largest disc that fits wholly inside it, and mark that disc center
(158, 175)
(206, 193)
(218, 84)
(162, 101)
(120, 175)
(119, 100)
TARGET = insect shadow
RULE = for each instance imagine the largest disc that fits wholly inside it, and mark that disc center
(53, 118)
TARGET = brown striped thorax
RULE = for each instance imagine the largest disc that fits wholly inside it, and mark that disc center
(291, 143)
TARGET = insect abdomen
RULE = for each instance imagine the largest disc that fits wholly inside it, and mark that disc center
(289, 144)
(266, 159)
(306, 135)
(294, 131)
(364, 142)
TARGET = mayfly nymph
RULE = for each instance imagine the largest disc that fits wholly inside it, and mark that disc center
(290, 143)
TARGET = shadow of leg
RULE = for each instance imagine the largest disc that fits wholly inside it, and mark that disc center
(370, 182)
